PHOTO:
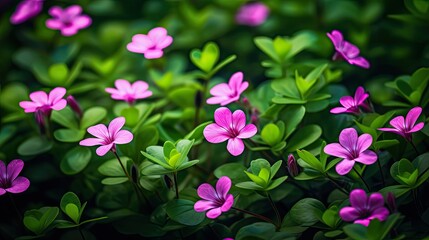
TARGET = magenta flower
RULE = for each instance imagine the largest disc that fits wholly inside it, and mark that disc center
(364, 208)
(231, 127)
(346, 51)
(352, 149)
(225, 94)
(108, 137)
(9, 180)
(252, 14)
(129, 92)
(44, 102)
(25, 10)
(350, 104)
(405, 127)
(152, 44)
(216, 201)
(69, 20)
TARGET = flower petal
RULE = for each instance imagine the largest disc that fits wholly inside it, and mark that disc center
(360, 95)
(349, 214)
(238, 120)
(214, 213)
(367, 157)
(375, 200)
(141, 39)
(102, 150)
(223, 100)
(139, 86)
(221, 89)
(28, 106)
(112, 91)
(73, 10)
(19, 185)
(222, 186)
(380, 213)
(115, 125)
(2, 191)
(417, 127)
(235, 146)
(39, 97)
(358, 199)
(338, 110)
(364, 222)
(228, 203)
(207, 192)
(248, 131)
(223, 117)
(3, 172)
(347, 101)
(123, 137)
(14, 168)
(82, 21)
(99, 131)
(364, 142)
(359, 61)
(335, 149)
(157, 35)
(69, 31)
(203, 205)
(235, 81)
(55, 11)
(137, 48)
(412, 117)
(336, 38)
(350, 50)
(59, 105)
(344, 166)
(123, 85)
(152, 54)
(348, 138)
(215, 133)
(165, 42)
(54, 24)
(398, 123)
(91, 142)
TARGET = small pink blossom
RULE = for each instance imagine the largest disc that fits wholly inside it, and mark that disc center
(252, 14)
(129, 92)
(25, 10)
(44, 102)
(215, 201)
(225, 94)
(350, 104)
(9, 180)
(364, 209)
(69, 20)
(152, 44)
(108, 137)
(405, 127)
(352, 149)
(346, 51)
(229, 126)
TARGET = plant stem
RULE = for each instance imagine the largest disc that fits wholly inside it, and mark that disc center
(279, 221)
(255, 215)
(337, 185)
(81, 233)
(381, 172)
(122, 166)
(176, 185)
(15, 207)
(363, 180)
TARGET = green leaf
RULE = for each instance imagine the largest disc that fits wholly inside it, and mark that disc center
(73, 212)
(155, 169)
(397, 190)
(207, 58)
(258, 164)
(266, 45)
(38, 220)
(58, 74)
(256, 179)
(255, 231)
(307, 211)
(65, 117)
(275, 168)
(271, 134)
(155, 154)
(75, 160)
(311, 160)
(222, 64)
(70, 198)
(301, 41)
(131, 115)
(112, 168)
(330, 217)
(34, 146)
(92, 116)
(235, 171)
(182, 211)
(383, 144)
(356, 231)
(304, 137)
(294, 116)
(281, 46)
(276, 182)
(168, 148)
(284, 100)
(114, 180)
(249, 185)
(69, 135)
(197, 133)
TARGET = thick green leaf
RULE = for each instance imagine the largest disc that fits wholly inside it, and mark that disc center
(197, 133)
(114, 180)
(255, 231)
(271, 134)
(92, 116)
(304, 137)
(58, 74)
(311, 160)
(266, 45)
(69, 198)
(356, 231)
(38, 220)
(112, 168)
(276, 182)
(307, 211)
(293, 116)
(235, 171)
(75, 160)
(65, 117)
(182, 211)
(256, 179)
(34, 145)
(73, 212)
(69, 135)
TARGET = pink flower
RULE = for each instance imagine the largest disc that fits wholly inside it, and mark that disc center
(231, 127)
(406, 127)
(129, 93)
(9, 180)
(350, 104)
(352, 149)
(364, 208)
(150, 45)
(224, 94)
(108, 137)
(347, 51)
(252, 14)
(26, 10)
(216, 201)
(69, 21)
(45, 103)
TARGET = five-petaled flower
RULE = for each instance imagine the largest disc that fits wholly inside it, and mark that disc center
(26, 10)
(129, 92)
(252, 14)
(229, 126)
(69, 20)
(353, 104)
(224, 94)
(406, 127)
(352, 149)
(346, 51)
(216, 201)
(152, 44)
(9, 180)
(108, 137)
(364, 208)
(44, 102)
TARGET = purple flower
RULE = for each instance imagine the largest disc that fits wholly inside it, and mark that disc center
(69, 20)
(129, 92)
(405, 127)
(216, 201)
(347, 51)
(364, 208)
(225, 94)
(44, 102)
(352, 149)
(26, 10)
(108, 137)
(350, 104)
(252, 14)
(9, 180)
(152, 44)
(231, 127)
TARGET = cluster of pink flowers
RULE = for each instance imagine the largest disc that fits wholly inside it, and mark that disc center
(152, 44)
(129, 92)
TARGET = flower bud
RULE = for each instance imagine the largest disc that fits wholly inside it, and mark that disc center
(292, 166)
(391, 202)
(71, 101)
(246, 102)
(254, 117)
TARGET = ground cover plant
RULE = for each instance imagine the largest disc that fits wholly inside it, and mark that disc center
(298, 119)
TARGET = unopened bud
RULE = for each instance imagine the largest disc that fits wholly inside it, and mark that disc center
(292, 166)
(391, 202)
(40, 120)
(246, 102)
(254, 117)
(71, 101)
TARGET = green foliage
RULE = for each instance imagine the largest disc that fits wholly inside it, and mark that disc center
(39, 220)
(262, 173)
(182, 211)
